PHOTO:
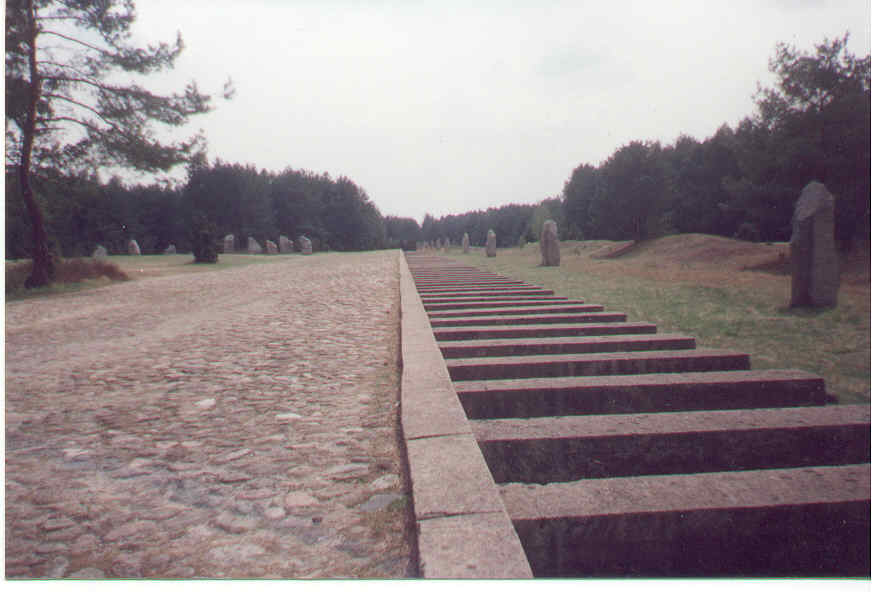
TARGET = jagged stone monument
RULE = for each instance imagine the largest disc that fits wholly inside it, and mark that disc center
(253, 246)
(133, 247)
(813, 258)
(285, 244)
(491, 247)
(549, 244)
(305, 245)
(229, 242)
(99, 252)
(170, 250)
(465, 242)
(271, 248)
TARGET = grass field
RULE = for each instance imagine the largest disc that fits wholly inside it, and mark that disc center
(726, 293)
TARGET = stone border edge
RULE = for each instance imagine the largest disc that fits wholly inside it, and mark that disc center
(463, 528)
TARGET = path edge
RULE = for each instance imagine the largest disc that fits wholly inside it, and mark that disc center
(462, 526)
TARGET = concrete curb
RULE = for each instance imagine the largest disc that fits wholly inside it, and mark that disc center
(463, 528)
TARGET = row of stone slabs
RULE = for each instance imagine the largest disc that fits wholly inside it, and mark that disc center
(620, 451)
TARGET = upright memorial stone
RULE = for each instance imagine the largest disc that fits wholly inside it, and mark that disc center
(438, 243)
(813, 257)
(170, 250)
(491, 248)
(550, 244)
(99, 252)
(285, 244)
(271, 248)
(229, 241)
(305, 245)
(465, 242)
(253, 246)
(133, 247)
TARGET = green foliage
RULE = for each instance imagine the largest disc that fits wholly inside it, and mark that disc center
(508, 222)
(204, 239)
(814, 125)
(402, 233)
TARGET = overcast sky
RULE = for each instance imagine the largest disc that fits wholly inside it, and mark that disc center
(444, 107)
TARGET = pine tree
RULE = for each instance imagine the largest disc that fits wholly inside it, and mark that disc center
(65, 108)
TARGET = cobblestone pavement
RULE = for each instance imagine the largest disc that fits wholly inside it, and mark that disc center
(240, 423)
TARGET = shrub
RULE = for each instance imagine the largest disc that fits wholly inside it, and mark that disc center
(67, 271)
(204, 239)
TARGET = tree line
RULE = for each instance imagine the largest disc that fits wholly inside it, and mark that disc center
(743, 182)
(335, 214)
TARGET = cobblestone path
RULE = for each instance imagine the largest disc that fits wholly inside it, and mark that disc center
(238, 423)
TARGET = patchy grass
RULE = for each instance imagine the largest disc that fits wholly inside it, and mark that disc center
(726, 293)
(85, 272)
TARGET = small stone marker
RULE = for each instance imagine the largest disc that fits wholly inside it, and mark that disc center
(491, 248)
(305, 245)
(170, 250)
(549, 244)
(465, 242)
(285, 244)
(272, 248)
(133, 247)
(813, 257)
(253, 246)
(229, 241)
(99, 252)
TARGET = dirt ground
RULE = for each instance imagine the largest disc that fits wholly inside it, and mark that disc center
(232, 424)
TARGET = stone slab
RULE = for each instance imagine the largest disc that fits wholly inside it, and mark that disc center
(532, 331)
(797, 521)
(701, 360)
(430, 296)
(450, 477)
(476, 348)
(500, 303)
(451, 548)
(548, 449)
(531, 319)
(577, 306)
(641, 393)
(427, 300)
(448, 474)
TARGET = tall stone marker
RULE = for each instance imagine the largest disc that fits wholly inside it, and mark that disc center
(253, 246)
(491, 247)
(285, 244)
(813, 257)
(272, 248)
(229, 241)
(305, 245)
(550, 244)
(465, 242)
(133, 247)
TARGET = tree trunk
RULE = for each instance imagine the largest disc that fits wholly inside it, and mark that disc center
(43, 271)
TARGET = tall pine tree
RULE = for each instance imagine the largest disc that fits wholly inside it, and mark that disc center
(65, 108)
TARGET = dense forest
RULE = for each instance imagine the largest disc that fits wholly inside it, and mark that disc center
(742, 182)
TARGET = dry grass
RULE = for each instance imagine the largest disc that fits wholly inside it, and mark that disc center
(71, 274)
(726, 293)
